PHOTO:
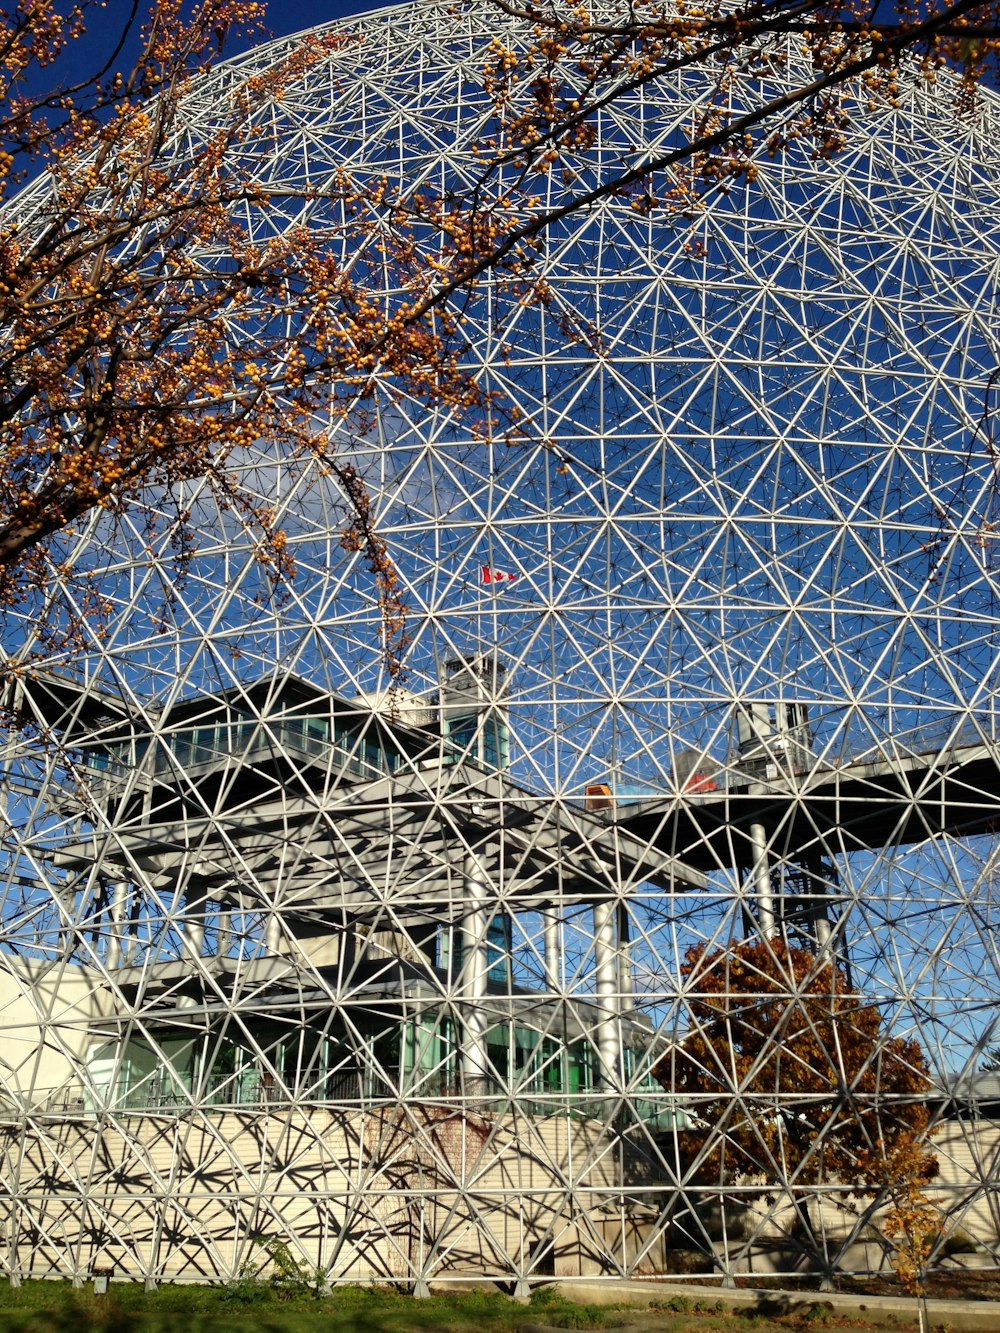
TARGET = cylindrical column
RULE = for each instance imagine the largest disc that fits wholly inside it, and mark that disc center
(223, 935)
(272, 932)
(550, 942)
(193, 927)
(762, 881)
(820, 878)
(475, 967)
(824, 934)
(626, 985)
(116, 936)
(608, 997)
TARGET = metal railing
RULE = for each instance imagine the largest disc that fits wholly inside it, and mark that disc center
(269, 743)
(940, 738)
(348, 1089)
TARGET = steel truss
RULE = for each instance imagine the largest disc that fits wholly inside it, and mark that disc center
(288, 956)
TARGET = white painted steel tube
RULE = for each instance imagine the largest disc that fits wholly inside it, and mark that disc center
(475, 966)
(762, 881)
(550, 943)
(116, 935)
(608, 996)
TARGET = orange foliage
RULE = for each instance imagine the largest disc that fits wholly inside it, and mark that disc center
(147, 333)
(788, 1075)
(910, 1225)
(549, 92)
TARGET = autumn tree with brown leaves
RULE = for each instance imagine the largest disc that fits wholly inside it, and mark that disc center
(550, 92)
(790, 1080)
(146, 336)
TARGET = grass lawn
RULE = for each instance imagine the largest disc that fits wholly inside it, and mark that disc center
(258, 1307)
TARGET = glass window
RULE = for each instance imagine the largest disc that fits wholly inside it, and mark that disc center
(498, 943)
(462, 730)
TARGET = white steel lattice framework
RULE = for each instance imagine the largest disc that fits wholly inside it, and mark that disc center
(282, 959)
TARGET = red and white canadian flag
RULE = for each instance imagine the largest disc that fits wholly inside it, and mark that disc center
(491, 575)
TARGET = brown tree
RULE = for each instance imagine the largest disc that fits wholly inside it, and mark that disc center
(147, 333)
(790, 1079)
(550, 91)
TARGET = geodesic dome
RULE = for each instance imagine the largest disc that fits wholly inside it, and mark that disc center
(706, 653)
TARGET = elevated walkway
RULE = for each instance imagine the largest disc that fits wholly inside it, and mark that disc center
(863, 804)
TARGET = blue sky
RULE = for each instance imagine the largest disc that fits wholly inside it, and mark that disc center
(284, 16)
(104, 26)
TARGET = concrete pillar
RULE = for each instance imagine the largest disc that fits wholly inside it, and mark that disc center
(272, 932)
(626, 982)
(824, 934)
(551, 922)
(193, 926)
(475, 967)
(608, 996)
(117, 954)
(223, 935)
(821, 879)
(762, 881)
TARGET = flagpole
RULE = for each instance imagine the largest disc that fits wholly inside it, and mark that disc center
(484, 582)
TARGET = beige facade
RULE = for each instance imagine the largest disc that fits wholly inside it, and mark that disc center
(199, 1198)
(393, 1192)
(47, 1011)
